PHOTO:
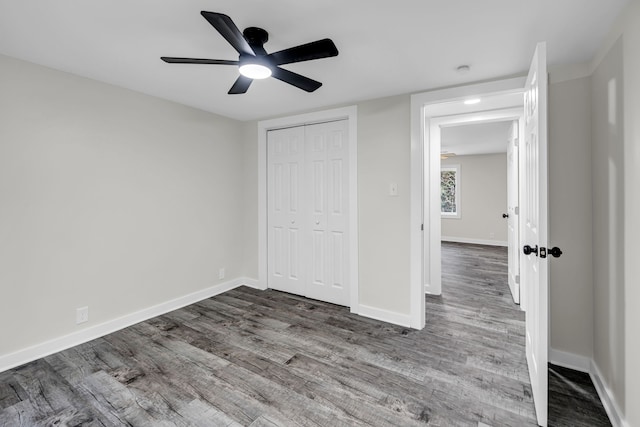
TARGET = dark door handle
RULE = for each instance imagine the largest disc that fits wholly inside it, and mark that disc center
(505, 215)
(555, 252)
(528, 250)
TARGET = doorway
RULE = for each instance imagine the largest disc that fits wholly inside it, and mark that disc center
(479, 184)
(531, 93)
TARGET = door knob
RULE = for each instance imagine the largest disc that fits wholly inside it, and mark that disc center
(505, 215)
(528, 250)
(317, 222)
(555, 252)
(293, 221)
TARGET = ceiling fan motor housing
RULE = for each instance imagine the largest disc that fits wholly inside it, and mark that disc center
(255, 36)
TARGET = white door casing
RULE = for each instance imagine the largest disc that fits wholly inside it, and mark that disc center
(534, 215)
(512, 210)
(308, 211)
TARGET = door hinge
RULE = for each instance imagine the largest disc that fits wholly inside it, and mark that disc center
(515, 142)
(517, 210)
(421, 227)
(518, 279)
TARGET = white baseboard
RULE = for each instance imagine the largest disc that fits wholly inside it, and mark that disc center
(569, 360)
(254, 283)
(474, 241)
(385, 315)
(606, 396)
(55, 345)
(430, 290)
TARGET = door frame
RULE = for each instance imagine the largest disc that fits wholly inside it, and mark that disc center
(425, 162)
(346, 113)
(434, 286)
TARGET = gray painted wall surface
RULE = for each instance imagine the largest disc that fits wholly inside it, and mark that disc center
(608, 218)
(483, 198)
(108, 199)
(570, 223)
(631, 53)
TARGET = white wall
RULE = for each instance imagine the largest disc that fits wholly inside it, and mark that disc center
(570, 219)
(108, 199)
(483, 199)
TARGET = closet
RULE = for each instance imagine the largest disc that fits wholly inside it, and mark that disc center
(307, 211)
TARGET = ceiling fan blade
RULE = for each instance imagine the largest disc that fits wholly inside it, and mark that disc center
(297, 80)
(229, 31)
(324, 48)
(240, 86)
(172, 60)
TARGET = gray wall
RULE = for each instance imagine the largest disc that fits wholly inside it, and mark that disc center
(384, 157)
(570, 223)
(108, 199)
(616, 145)
(631, 53)
(608, 218)
(483, 199)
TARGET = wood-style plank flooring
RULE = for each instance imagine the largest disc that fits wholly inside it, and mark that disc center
(573, 400)
(265, 358)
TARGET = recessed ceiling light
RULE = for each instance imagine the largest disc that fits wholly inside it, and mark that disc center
(463, 69)
(472, 101)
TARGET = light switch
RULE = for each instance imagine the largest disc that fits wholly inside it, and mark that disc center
(393, 189)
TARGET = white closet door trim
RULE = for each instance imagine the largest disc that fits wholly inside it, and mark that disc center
(348, 113)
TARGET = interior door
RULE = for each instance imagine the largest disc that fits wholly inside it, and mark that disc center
(285, 204)
(512, 212)
(328, 188)
(534, 269)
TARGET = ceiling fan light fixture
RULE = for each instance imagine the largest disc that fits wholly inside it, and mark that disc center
(254, 67)
(255, 71)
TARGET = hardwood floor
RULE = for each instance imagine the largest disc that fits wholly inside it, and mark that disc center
(265, 358)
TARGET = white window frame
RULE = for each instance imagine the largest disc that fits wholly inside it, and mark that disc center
(457, 213)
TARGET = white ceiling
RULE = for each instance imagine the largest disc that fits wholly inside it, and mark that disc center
(479, 138)
(386, 47)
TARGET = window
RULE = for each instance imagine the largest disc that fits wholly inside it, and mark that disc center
(450, 191)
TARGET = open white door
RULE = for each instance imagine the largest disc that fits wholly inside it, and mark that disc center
(513, 212)
(534, 264)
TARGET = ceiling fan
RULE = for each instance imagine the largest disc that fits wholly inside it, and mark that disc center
(444, 155)
(254, 62)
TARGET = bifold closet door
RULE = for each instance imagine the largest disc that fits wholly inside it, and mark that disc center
(327, 188)
(308, 217)
(285, 209)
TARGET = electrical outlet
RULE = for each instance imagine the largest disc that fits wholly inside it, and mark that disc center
(82, 315)
(221, 274)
